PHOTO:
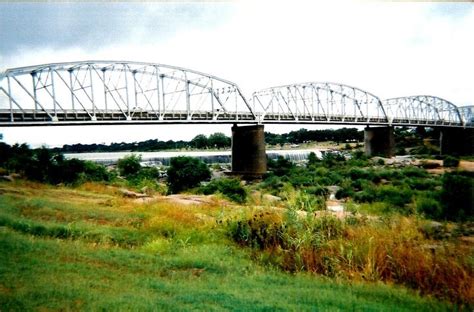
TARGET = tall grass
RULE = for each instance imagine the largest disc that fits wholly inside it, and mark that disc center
(392, 250)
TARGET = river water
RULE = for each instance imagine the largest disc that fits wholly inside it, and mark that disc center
(156, 158)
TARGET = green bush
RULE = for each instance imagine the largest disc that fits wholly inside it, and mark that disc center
(317, 190)
(357, 173)
(344, 192)
(186, 172)
(414, 172)
(281, 166)
(450, 161)
(457, 195)
(313, 160)
(96, 172)
(129, 165)
(421, 184)
(273, 184)
(429, 207)
(302, 200)
(395, 196)
(331, 159)
(230, 188)
(365, 196)
(301, 177)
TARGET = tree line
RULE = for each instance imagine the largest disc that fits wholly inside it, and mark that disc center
(218, 140)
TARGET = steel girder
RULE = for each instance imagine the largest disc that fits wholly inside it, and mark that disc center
(423, 110)
(111, 92)
(319, 102)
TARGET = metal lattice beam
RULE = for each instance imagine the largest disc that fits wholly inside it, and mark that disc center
(319, 102)
(115, 92)
(467, 114)
(423, 110)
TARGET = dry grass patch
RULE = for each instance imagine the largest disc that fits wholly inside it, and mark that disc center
(392, 250)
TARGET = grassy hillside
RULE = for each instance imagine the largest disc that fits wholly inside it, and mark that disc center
(90, 248)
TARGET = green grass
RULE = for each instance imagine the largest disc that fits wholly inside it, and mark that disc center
(177, 261)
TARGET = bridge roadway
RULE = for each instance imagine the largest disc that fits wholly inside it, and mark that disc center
(31, 117)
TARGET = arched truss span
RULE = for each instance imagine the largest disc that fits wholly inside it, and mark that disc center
(423, 110)
(467, 114)
(319, 102)
(111, 91)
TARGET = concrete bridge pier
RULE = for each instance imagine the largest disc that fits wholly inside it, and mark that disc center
(379, 141)
(249, 158)
(456, 141)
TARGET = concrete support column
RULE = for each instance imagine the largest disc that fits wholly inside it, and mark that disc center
(456, 141)
(248, 151)
(379, 141)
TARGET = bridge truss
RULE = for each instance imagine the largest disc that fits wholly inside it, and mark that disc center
(117, 92)
(317, 102)
(111, 92)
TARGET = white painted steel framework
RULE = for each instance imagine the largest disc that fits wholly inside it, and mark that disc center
(467, 113)
(319, 102)
(423, 110)
(113, 92)
(101, 92)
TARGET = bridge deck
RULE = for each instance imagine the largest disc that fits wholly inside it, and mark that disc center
(31, 117)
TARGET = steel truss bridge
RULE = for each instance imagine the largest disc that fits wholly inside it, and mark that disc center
(111, 92)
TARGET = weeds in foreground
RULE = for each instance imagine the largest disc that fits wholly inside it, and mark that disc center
(390, 250)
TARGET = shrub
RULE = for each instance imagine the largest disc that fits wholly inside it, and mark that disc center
(186, 172)
(302, 200)
(357, 173)
(281, 166)
(129, 165)
(317, 190)
(331, 159)
(421, 184)
(414, 172)
(273, 184)
(301, 177)
(366, 196)
(395, 196)
(457, 196)
(429, 206)
(312, 159)
(344, 192)
(96, 172)
(230, 188)
(261, 230)
(450, 161)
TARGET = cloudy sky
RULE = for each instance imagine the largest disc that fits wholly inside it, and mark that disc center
(388, 48)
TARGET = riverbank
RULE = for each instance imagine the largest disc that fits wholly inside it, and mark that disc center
(89, 248)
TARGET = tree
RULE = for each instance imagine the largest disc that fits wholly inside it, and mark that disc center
(200, 141)
(129, 165)
(186, 172)
(219, 140)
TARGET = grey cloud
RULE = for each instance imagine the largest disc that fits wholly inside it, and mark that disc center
(92, 25)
